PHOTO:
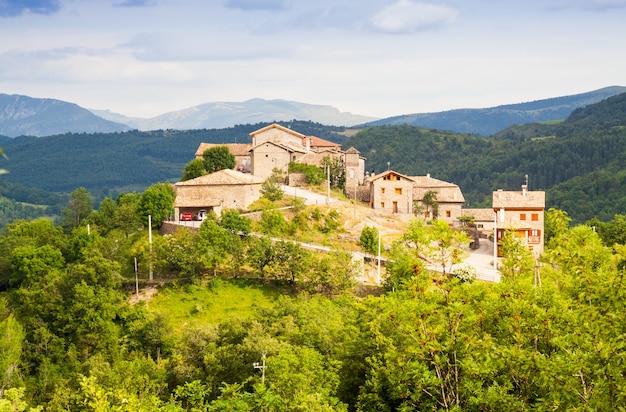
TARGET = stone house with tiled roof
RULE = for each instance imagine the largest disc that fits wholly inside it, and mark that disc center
(224, 189)
(394, 192)
(274, 146)
(521, 212)
(448, 196)
(391, 192)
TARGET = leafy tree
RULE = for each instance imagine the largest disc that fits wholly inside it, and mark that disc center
(272, 222)
(11, 339)
(369, 239)
(218, 158)
(193, 169)
(213, 244)
(557, 223)
(127, 218)
(271, 190)
(334, 165)
(261, 254)
(157, 201)
(232, 220)
(78, 209)
(178, 253)
(314, 174)
(430, 202)
(518, 260)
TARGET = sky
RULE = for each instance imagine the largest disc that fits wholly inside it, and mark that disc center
(380, 58)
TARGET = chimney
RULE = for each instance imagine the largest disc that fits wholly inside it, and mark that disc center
(428, 175)
(524, 190)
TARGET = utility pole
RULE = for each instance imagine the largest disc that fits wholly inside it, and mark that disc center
(151, 277)
(378, 273)
(261, 365)
(328, 184)
(136, 278)
(355, 199)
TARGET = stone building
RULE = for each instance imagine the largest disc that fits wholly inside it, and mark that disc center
(394, 192)
(521, 213)
(225, 189)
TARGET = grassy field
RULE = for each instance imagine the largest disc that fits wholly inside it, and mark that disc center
(212, 303)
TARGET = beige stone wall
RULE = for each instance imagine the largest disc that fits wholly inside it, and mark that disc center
(391, 196)
(267, 157)
(528, 223)
(276, 135)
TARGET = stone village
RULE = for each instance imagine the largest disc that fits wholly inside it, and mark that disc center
(274, 147)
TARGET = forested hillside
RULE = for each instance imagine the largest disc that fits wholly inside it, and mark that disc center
(120, 161)
(249, 323)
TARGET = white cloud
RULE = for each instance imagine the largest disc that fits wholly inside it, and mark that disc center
(406, 16)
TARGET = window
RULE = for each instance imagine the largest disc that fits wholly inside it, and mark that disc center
(398, 190)
(382, 205)
(534, 217)
(522, 216)
(382, 190)
(448, 213)
(534, 236)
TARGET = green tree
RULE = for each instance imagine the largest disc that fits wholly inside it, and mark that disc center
(213, 244)
(272, 222)
(78, 209)
(127, 218)
(369, 239)
(232, 220)
(271, 190)
(334, 165)
(218, 158)
(518, 260)
(11, 339)
(193, 169)
(157, 201)
(430, 203)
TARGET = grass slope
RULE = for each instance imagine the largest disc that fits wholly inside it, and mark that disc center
(213, 303)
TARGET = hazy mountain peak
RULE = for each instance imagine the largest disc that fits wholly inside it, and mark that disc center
(23, 115)
(217, 115)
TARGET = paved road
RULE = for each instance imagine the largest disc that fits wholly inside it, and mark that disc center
(481, 259)
(310, 198)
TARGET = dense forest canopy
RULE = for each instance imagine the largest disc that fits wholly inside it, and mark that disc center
(248, 322)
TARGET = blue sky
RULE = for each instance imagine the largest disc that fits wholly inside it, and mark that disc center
(374, 57)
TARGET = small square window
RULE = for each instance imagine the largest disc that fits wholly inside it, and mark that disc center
(448, 213)
(382, 190)
(522, 216)
(382, 205)
(398, 190)
(535, 217)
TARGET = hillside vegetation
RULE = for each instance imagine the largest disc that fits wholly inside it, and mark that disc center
(244, 322)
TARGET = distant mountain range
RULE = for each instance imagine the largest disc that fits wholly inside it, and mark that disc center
(219, 115)
(27, 116)
(486, 122)
(23, 115)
